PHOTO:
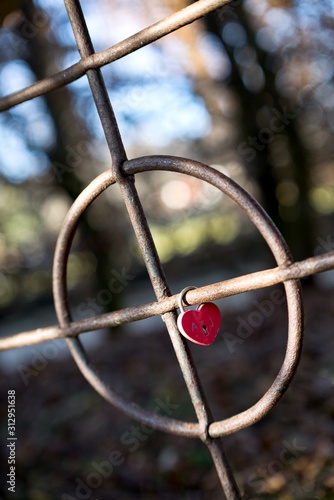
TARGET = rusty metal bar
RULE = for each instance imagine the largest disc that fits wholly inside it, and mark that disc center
(183, 354)
(94, 61)
(152, 262)
(63, 246)
(216, 291)
(215, 447)
(184, 357)
(149, 253)
(151, 259)
(97, 85)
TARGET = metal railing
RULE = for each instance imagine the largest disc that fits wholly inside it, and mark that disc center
(123, 172)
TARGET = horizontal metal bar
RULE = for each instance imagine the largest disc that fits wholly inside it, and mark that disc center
(223, 289)
(144, 37)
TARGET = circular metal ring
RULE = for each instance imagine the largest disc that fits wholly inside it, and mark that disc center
(275, 242)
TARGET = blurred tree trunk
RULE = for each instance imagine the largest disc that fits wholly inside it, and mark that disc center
(266, 115)
(69, 168)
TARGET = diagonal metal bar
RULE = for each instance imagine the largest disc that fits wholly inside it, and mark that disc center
(118, 156)
(130, 196)
(150, 256)
(190, 375)
(144, 37)
(97, 84)
(219, 458)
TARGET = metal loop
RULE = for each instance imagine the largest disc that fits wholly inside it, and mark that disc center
(182, 299)
(278, 247)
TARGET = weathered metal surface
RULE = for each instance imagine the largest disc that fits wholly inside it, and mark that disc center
(223, 289)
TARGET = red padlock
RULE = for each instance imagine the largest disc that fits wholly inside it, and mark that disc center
(200, 325)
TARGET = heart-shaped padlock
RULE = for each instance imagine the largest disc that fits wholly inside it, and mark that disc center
(200, 325)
